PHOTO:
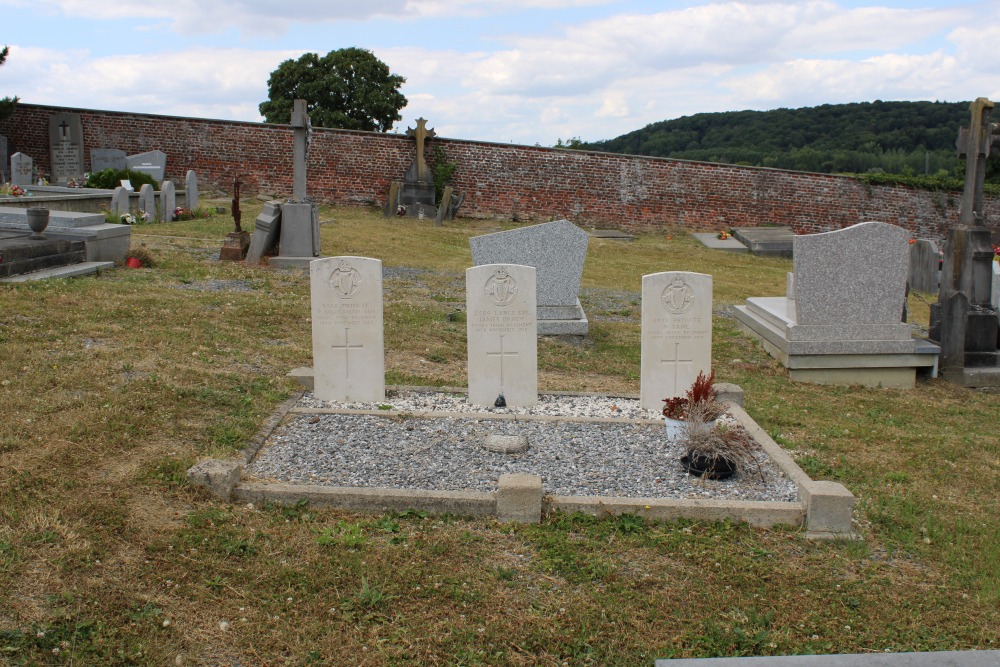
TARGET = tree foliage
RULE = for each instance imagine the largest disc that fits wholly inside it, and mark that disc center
(6, 103)
(908, 138)
(347, 88)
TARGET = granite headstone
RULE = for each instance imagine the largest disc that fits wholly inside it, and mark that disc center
(21, 167)
(106, 158)
(347, 328)
(168, 201)
(66, 147)
(191, 190)
(147, 201)
(153, 163)
(120, 201)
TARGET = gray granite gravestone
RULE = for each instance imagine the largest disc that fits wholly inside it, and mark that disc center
(120, 201)
(153, 163)
(66, 147)
(20, 169)
(191, 190)
(925, 260)
(106, 158)
(557, 250)
(147, 201)
(844, 322)
(168, 201)
(265, 232)
(4, 160)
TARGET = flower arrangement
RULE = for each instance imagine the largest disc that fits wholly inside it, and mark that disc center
(698, 402)
(181, 213)
(11, 190)
(134, 218)
(996, 253)
(722, 236)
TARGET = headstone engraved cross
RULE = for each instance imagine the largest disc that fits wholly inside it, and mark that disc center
(676, 363)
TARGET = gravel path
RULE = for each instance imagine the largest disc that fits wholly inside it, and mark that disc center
(446, 453)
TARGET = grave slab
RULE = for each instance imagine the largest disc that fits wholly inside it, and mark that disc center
(347, 326)
(712, 240)
(766, 241)
(502, 335)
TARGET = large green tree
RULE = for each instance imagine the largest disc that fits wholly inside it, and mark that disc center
(7, 103)
(347, 88)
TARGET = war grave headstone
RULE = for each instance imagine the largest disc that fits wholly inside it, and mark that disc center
(557, 250)
(168, 201)
(962, 320)
(107, 158)
(347, 328)
(153, 163)
(676, 334)
(299, 226)
(191, 190)
(502, 340)
(66, 148)
(21, 169)
(147, 200)
(925, 260)
(4, 160)
(843, 323)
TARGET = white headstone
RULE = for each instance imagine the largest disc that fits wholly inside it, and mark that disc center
(20, 169)
(191, 190)
(168, 201)
(676, 334)
(347, 328)
(120, 201)
(995, 293)
(502, 339)
(147, 200)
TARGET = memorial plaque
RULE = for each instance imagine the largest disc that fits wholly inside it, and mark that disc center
(348, 347)
(66, 148)
(676, 334)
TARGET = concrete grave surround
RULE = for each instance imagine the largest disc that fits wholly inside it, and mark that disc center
(676, 334)
(557, 250)
(191, 190)
(147, 200)
(20, 169)
(348, 347)
(106, 158)
(4, 160)
(153, 163)
(502, 337)
(168, 201)
(924, 261)
(844, 322)
(66, 147)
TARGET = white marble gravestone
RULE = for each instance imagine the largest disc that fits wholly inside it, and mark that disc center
(676, 334)
(21, 167)
(168, 201)
(347, 328)
(191, 190)
(502, 334)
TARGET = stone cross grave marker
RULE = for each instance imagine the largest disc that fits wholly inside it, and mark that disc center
(299, 234)
(107, 158)
(300, 149)
(502, 340)
(347, 328)
(153, 163)
(191, 190)
(168, 201)
(66, 147)
(676, 334)
(20, 169)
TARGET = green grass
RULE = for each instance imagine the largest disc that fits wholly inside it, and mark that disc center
(113, 386)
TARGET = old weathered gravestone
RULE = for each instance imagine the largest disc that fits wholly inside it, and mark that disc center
(299, 235)
(4, 160)
(557, 250)
(676, 334)
(925, 261)
(20, 169)
(502, 341)
(191, 190)
(153, 163)
(107, 158)
(147, 201)
(962, 319)
(348, 348)
(168, 201)
(66, 147)
(417, 193)
(265, 232)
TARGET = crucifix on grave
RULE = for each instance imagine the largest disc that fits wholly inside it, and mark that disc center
(962, 320)
(300, 149)
(415, 196)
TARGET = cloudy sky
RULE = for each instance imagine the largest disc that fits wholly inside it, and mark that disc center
(521, 71)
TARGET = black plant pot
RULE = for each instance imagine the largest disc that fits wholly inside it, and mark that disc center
(711, 467)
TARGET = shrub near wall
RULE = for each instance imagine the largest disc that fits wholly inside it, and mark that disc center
(526, 183)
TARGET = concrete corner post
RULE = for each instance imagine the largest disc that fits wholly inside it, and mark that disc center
(218, 477)
(519, 498)
(828, 508)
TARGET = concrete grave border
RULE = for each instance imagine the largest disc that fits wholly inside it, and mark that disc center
(823, 509)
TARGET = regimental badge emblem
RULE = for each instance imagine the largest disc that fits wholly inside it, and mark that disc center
(345, 280)
(501, 287)
(677, 297)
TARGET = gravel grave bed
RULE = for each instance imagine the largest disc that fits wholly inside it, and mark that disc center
(632, 460)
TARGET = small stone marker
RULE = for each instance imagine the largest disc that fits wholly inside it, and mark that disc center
(505, 444)
(347, 327)
(66, 147)
(20, 169)
(502, 336)
(168, 201)
(924, 262)
(120, 201)
(147, 200)
(107, 158)
(191, 190)
(153, 163)
(676, 334)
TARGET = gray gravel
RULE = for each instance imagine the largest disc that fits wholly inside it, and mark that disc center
(446, 453)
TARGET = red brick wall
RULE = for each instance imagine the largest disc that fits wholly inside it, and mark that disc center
(504, 181)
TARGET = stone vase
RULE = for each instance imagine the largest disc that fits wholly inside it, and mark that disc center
(38, 220)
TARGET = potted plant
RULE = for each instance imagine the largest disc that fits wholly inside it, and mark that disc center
(698, 404)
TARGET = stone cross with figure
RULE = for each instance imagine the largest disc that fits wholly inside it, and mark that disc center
(976, 143)
(421, 134)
